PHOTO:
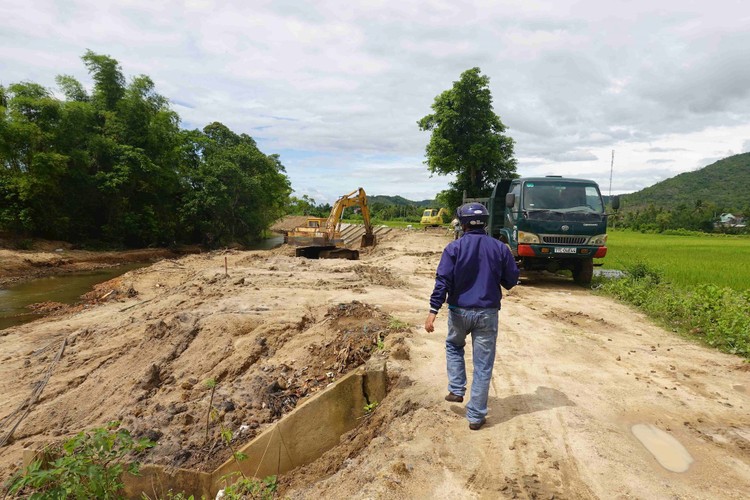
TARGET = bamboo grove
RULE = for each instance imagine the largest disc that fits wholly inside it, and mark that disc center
(113, 167)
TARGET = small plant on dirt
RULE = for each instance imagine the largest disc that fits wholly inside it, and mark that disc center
(211, 384)
(380, 343)
(369, 408)
(644, 271)
(396, 324)
(227, 435)
(232, 491)
(245, 488)
(89, 465)
(213, 414)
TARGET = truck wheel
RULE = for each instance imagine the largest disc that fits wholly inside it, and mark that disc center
(583, 272)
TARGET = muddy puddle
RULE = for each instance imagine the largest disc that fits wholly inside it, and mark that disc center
(67, 288)
(64, 288)
(667, 450)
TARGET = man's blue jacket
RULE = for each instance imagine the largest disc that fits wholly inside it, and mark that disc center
(471, 270)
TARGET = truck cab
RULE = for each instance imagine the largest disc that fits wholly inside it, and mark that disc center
(551, 223)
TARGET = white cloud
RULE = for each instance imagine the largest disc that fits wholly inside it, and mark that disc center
(336, 87)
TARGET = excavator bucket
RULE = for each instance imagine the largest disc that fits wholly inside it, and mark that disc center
(368, 240)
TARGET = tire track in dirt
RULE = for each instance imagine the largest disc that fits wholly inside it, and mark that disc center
(538, 472)
(629, 367)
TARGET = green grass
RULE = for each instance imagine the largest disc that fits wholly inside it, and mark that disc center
(685, 261)
(692, 283)
(390, 223)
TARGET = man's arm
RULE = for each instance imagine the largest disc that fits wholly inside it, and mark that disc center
(509, 279)
(443, 280)
(443, 283)
(429, 323)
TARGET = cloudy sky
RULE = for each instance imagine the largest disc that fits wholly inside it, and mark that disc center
(336, 87)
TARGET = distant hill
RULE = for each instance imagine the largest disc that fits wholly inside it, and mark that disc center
(399, 201)
(725, 184)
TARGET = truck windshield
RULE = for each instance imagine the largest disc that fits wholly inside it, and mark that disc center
(562, 196)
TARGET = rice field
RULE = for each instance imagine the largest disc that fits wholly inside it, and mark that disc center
(685, 261)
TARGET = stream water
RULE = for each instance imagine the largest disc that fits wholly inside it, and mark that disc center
(64, 288)
(67, 288)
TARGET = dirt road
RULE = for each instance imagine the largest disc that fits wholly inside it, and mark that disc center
(577, 377)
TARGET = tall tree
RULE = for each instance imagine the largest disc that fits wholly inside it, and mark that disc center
(234, 191)
(468, 138)
(109, 82)
(33, 168)
(112, 166)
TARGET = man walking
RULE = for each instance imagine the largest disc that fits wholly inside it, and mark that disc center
(456, 224)
(470, 273)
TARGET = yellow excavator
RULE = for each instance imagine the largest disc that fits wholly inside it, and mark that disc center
(320, 238)
(433, 217)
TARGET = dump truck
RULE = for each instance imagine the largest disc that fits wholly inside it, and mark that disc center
(320, 238)
(551, 223)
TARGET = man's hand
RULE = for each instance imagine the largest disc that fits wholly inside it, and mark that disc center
(429, 323)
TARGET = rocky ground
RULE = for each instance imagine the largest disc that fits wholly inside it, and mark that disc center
(575, 373)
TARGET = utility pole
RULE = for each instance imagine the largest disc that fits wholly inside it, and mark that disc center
(611, 170)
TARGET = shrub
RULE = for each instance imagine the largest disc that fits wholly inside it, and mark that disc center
(252, 488)
(89, 465)
(719, 316)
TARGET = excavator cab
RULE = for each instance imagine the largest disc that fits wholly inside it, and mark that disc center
(433, 217)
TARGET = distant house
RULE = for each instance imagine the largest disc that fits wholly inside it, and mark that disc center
(729, 220)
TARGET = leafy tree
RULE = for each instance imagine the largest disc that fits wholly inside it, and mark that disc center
(446, 198)
(234, 190)
(109, 82)
(34, 170)
(468, 138)
(302, 206)
(113, 166)
(72, 88)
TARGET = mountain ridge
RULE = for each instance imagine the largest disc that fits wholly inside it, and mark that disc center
(724, 183)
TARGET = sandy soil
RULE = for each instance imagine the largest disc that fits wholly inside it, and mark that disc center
(574, 373)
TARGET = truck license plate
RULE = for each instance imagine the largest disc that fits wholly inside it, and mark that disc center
(565, 249)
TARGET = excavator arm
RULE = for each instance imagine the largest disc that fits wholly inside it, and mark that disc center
(355, 198)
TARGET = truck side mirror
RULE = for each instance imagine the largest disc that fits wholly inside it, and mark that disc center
(615, 203)
(510, 199)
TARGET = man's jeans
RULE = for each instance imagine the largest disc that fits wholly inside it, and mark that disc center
(482, 324)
